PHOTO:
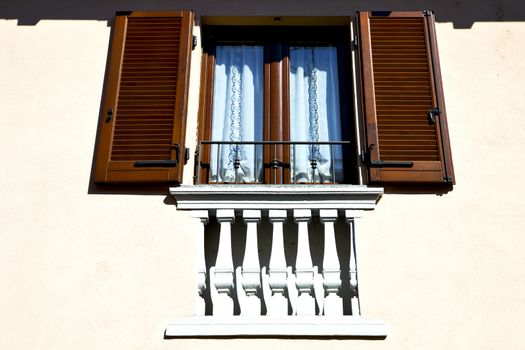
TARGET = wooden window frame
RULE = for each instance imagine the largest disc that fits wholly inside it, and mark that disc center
(276, 109)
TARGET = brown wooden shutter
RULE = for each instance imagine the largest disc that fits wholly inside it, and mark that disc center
(406, 128)
(143, 118)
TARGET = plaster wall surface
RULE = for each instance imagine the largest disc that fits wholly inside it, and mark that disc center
(86, 269)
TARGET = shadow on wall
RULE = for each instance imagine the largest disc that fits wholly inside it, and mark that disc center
(462, 13)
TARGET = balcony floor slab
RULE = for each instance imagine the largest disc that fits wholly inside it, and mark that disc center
(276, 197)
(266, 326)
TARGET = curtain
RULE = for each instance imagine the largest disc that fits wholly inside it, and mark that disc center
(315, 114)
(237, 113)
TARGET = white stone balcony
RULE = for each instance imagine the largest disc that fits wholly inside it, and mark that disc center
(277, 261)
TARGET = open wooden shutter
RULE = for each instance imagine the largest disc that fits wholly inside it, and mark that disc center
(406, 128)
(143, 122)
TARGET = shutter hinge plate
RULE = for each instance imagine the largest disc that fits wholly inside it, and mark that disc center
(432, 115)
(355, 42)
(194, 43)
(109, 115)
(186, 155)
(366, 157)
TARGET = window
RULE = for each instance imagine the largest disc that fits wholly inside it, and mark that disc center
(275, 105)
(296, 83)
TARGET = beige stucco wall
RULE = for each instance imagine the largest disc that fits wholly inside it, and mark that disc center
(108, 271)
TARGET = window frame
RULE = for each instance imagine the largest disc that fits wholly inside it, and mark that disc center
(276, 109)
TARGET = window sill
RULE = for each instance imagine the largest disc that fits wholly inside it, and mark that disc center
(276, 197)
(265, 326)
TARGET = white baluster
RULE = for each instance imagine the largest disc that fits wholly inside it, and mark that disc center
(304, 269)
(277, 303)
(333, 303)
(200, 305)
(223, 270)
(251, 269)
(351, 215)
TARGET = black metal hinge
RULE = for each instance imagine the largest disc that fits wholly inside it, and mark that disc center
(156, 163)
(169, 163)
(366, 158)
(390, 164)
(428, 13)
(432, 115)
(355, 42)
(109, 115)
(194, 43)
(186, 155)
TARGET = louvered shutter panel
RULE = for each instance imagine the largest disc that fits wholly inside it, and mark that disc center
(406, 128)
(143, 120)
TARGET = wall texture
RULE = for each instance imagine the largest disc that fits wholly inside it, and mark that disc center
(87, 269)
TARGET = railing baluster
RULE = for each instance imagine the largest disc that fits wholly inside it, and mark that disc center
(304, 268)
(294, 157)
(218, 161)
(256, 165)
(251, 269)
(277, 303)
(275, 163)
(199, 163)
(200, 305)
(236, 162)
(333, 304)
(312, 163)
(223, 272)
(351, 215)
(333, 162)
(199, 160)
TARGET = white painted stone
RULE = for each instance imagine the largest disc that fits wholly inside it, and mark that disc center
(277, 302)
(304, 269)
(275, 197)
(333, 303)
(351, 217)
(251, 270)
(223, 277)
(354, 213)
(280, 288)
(325, 326)
(318, 290)
(200, 303)
(293, 293)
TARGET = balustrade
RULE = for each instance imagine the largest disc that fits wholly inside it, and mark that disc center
(278, 261)
(296, 289)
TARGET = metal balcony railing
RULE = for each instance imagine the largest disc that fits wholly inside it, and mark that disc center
(245, 161)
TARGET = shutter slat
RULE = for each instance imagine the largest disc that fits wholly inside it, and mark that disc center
(146, 142)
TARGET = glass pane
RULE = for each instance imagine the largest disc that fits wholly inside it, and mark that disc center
(238, 96)
(315, 115)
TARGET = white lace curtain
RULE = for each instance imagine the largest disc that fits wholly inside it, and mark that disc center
(314, 114)
(238, 114)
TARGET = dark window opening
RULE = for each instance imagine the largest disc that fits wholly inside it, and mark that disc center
(275, 106)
